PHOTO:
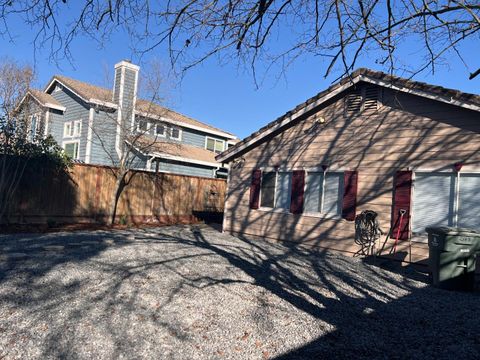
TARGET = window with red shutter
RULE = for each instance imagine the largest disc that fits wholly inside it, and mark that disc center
(350, 195)
(255, 188)
(402, 193)
(298, 185)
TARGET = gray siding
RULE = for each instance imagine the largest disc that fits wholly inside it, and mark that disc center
(118, 77)
(189, 136)
(103, 138)
(184, 169)
(23, 119)
(76, 109)
(128, 96)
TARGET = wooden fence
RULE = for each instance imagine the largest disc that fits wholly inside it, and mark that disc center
(85, 195)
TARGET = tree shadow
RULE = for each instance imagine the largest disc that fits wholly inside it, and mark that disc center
(144, 288)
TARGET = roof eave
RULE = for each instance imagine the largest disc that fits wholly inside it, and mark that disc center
(227, 157)
(184, 159)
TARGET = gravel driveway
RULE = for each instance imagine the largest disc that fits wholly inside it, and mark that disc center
(185, 292)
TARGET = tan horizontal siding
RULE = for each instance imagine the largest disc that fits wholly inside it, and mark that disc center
(406, 132)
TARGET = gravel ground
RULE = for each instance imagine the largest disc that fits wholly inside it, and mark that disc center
(186, 292)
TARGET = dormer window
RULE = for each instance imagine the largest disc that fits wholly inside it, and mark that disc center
(175, 133)
(160, 130)
(143, 126)
(364, 99)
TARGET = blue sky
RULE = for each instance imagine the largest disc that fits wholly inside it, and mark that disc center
(221, 95)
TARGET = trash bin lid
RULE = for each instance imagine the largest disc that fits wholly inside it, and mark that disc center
(445, 238)
(452, 231)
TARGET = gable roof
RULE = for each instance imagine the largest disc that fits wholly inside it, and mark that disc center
(433, 92)
(103, 96)
(44, 99)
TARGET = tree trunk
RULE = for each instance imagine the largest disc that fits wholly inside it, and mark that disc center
(119, 186)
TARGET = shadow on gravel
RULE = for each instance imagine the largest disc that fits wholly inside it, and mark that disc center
(425, 323)
(371, 313)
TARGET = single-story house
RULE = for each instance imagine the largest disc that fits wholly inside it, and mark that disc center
(369, 142)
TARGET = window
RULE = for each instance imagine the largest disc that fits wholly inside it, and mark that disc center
(276, 190)
(215, 145)
(143, 125)
(324, 192)
(268, 189)
(33, 127)
(175, 133)
(71, 148)
(469, 201)
(72, 128)
(445, 199)
(283, 189)
(160, 130)
(77, 128)
(67, 129)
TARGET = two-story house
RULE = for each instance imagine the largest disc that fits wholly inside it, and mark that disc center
(90, 123)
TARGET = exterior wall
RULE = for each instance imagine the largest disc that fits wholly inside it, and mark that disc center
(23, 118)
(104, 131)
(189, 136)
(76, 109)
(185, 169)
(405, 132)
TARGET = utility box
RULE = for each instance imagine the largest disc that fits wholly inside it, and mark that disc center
(452, 257)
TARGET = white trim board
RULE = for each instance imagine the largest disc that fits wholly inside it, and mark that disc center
(186, 160)
(88, 149)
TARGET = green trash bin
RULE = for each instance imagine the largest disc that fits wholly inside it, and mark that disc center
(452, 253)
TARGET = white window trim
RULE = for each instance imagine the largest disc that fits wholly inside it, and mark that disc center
(72, 142)
(321, 213)
(37, 124)
(75, 126)
(265, 208)
(215, 141)
(165, 130)
(179, 133)
(70, 134)
(149, 126)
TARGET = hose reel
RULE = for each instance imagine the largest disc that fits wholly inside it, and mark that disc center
(367, 232)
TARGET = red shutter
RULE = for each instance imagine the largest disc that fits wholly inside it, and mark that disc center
(350, 195)
(402, 194)
(298, 185)
(255, 188)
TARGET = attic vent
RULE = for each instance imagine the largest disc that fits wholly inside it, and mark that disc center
(363, 99)
(353, 102)
(371, 98)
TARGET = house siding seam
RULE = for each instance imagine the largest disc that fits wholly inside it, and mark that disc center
(406, 131)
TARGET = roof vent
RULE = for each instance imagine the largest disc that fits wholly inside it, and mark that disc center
(353, 102)
(364, 99)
